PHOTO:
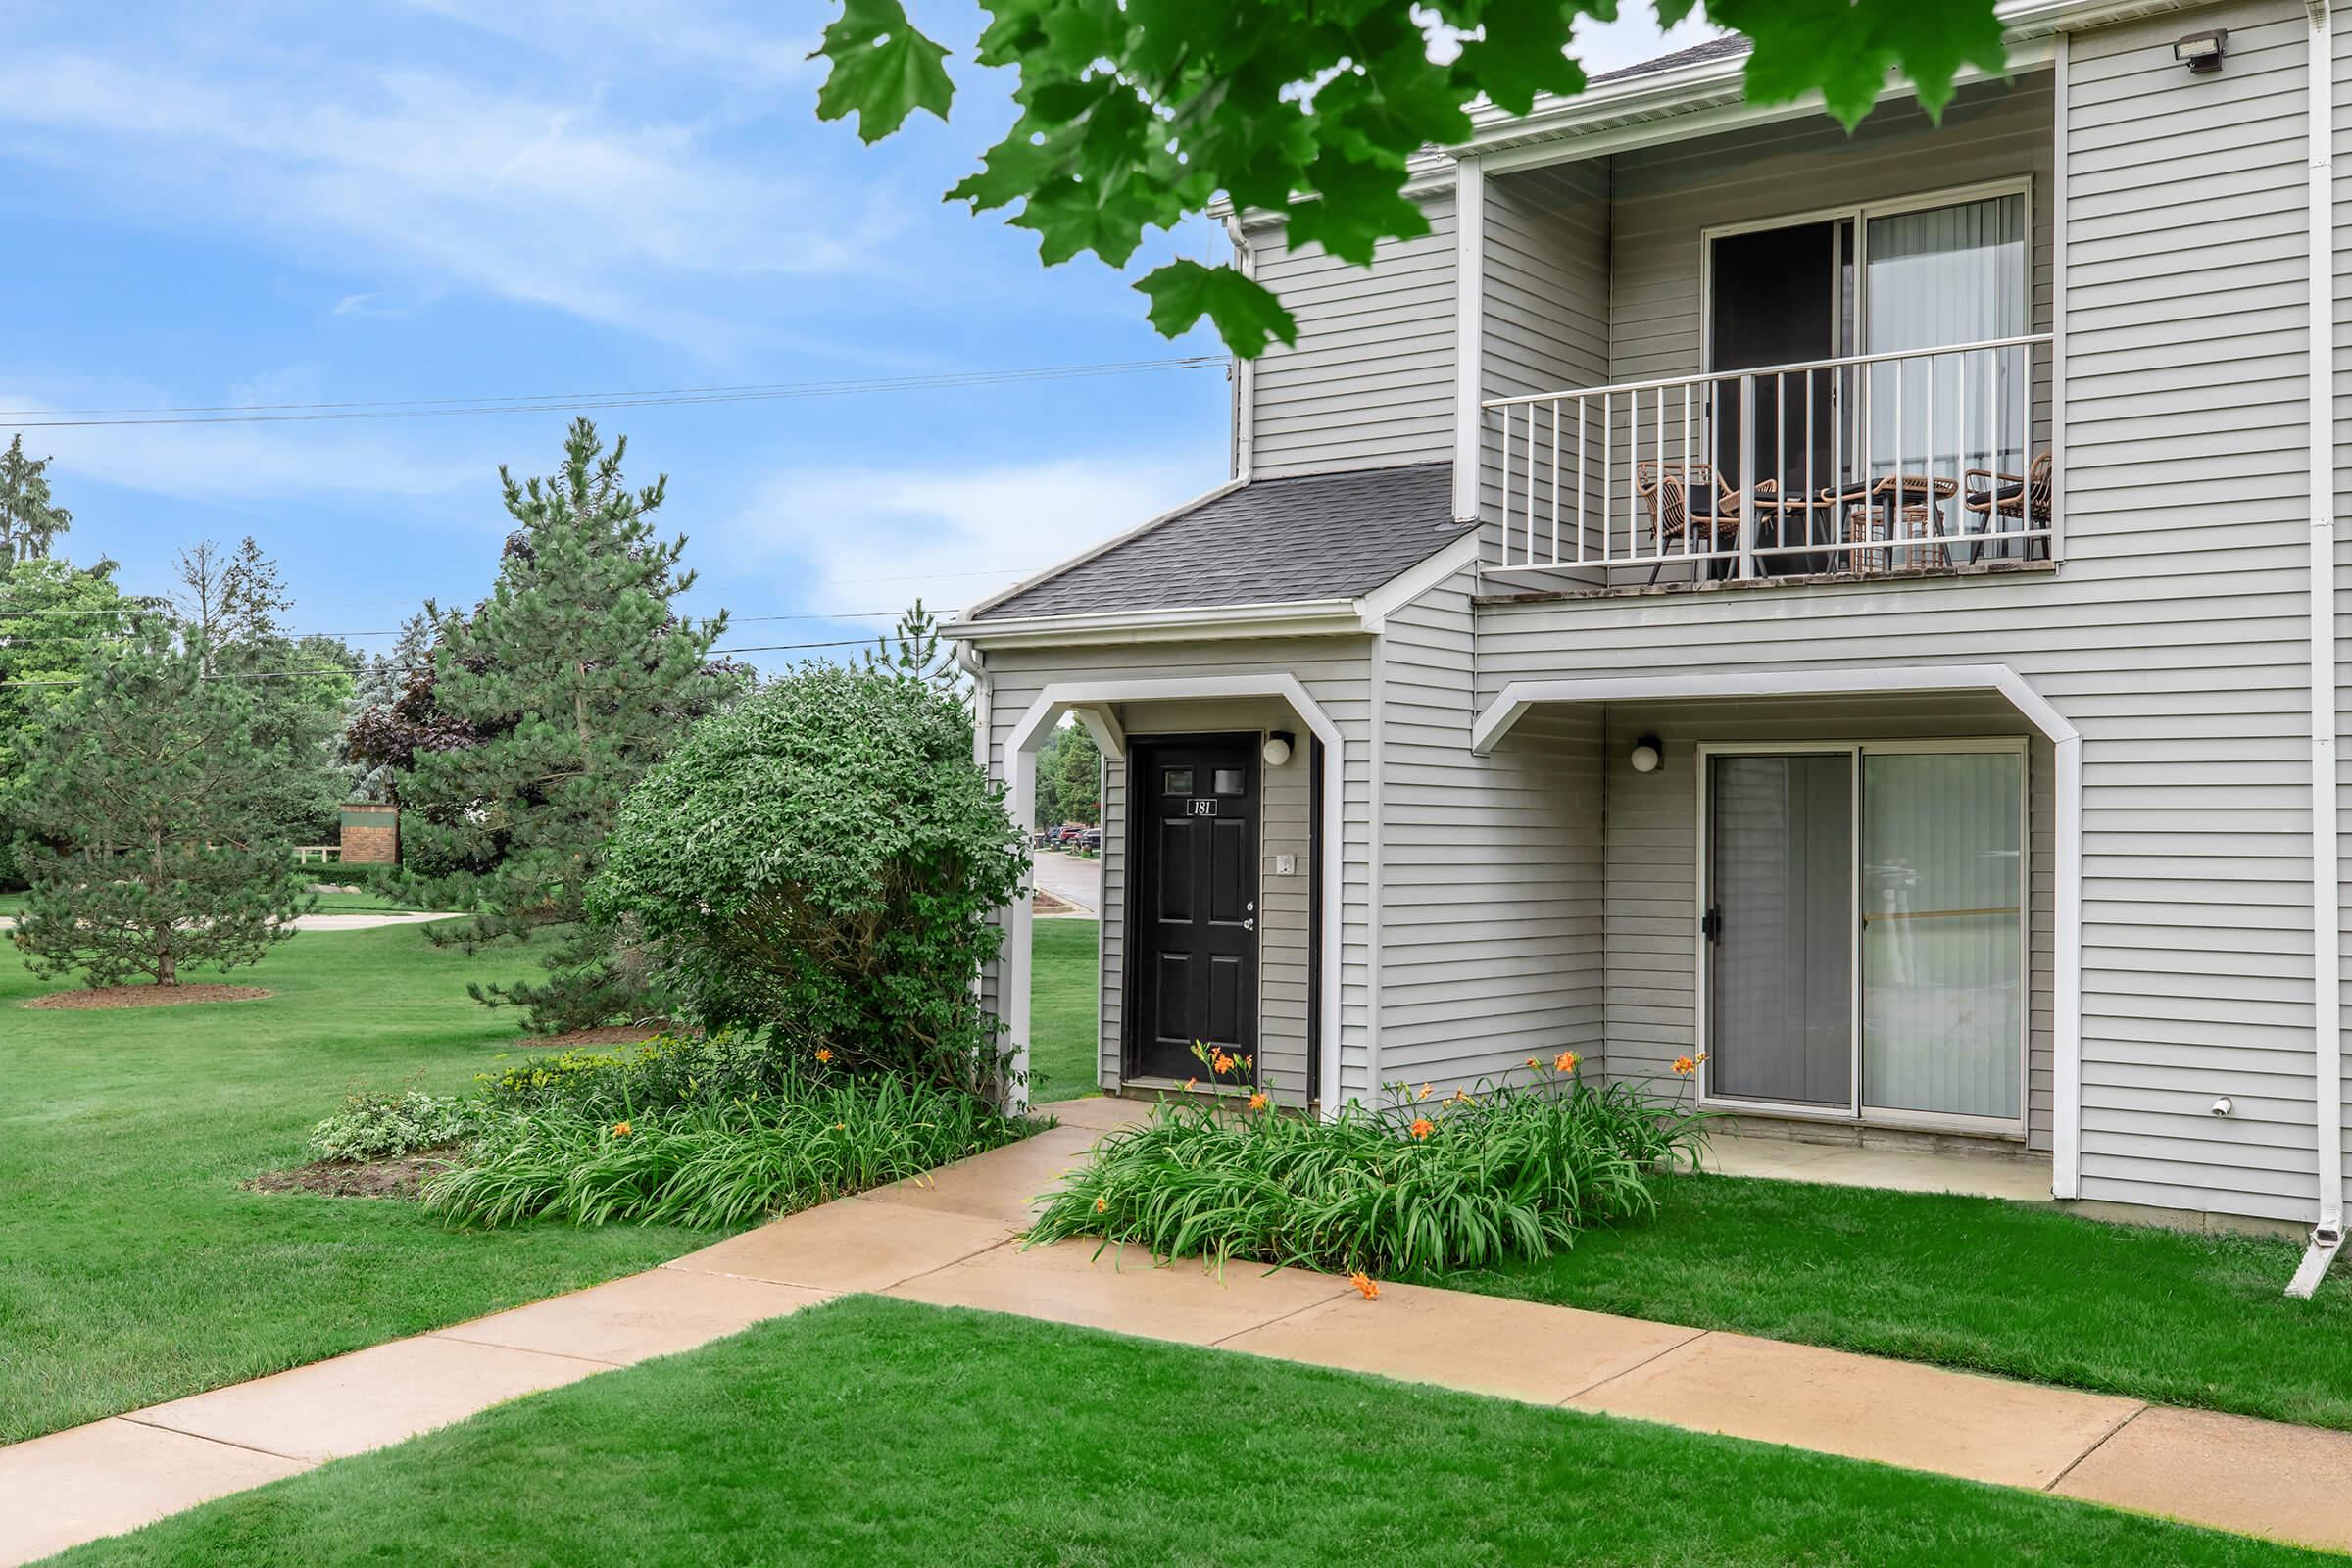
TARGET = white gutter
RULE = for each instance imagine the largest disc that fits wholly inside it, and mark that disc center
(1300, 617)
(2326, 978)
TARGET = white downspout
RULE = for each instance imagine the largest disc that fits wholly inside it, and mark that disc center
(2325, 916)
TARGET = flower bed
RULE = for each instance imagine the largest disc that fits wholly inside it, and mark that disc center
(1411, 1186)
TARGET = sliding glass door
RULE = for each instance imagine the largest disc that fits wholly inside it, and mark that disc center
(1864, 929)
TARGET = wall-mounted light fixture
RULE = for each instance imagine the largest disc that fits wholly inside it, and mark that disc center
(1277, 749)
(1647, 754)
(2202, 52)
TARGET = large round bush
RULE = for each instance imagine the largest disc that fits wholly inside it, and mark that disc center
(819, 862)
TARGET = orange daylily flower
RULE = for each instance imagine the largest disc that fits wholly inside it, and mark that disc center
(1259, 1101)
(1102, 1203)
(1422, 1127)
(1534, 1061)
(1190, 1083)
(1460, 1097)
(1683, 1066)
(621, 1129)
(1366, 1284)
(1220, 1063)
(824, 1054)
(1565, 1062)
(1424, 1094)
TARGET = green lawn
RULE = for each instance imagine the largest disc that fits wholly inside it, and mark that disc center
(1064, 997)
(875, 1430)
(2013, 1289)
(134, 1268)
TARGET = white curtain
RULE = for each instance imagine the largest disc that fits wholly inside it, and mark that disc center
(1937, 277)
(1942, 906)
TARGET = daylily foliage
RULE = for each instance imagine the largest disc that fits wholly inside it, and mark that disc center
(1137, 113)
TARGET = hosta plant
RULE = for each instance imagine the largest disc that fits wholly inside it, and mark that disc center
(1416, 1185)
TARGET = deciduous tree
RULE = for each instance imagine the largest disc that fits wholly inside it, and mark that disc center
(1135, 114)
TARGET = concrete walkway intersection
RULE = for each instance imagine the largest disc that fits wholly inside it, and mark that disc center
(950, 1239)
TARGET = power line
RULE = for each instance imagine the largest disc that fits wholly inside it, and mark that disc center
(341, 669)
(565, 402)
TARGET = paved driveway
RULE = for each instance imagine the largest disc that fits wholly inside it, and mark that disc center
(1071, 877)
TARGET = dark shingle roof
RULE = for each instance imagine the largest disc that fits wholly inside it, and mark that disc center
(1272, 541)
(1723, 48)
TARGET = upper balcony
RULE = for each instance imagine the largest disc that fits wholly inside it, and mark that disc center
(1772, 355)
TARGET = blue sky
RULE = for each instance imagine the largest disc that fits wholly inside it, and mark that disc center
(288, 203)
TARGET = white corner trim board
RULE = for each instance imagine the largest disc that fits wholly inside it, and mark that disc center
(1519, 696)
(2327, 915)
(1469, 332)
(1037, 722)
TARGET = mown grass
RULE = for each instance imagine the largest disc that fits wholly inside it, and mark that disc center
(1064, 997)
(875, 1430)
(2014, 1288)
(134, 1267)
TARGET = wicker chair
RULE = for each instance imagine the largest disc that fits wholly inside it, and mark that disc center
(2008, 503)
(1666, 492)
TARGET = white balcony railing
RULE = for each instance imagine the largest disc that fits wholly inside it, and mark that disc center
(1871, 463)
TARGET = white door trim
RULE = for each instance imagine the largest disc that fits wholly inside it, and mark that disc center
(1038, 721)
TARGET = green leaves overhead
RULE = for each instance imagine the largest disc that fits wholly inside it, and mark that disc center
(1248, 316)
(1138, 114)
(883, 70)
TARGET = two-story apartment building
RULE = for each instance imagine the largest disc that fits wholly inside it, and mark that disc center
(1856, 611)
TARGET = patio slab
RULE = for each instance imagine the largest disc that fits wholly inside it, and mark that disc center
(2228, 1472)
(1895, 1412)
(366, 1399)
(1003, 1185)
(1485, 1343)
(1123, 1291)
(2025, 1181)
(848, 1244)
(633, 1319)
(111, 1475)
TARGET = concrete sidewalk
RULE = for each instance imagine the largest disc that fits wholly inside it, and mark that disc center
(949, 1239)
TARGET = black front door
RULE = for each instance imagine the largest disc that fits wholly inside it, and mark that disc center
(1193, 849)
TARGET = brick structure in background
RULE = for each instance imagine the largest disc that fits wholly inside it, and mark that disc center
(370, 834)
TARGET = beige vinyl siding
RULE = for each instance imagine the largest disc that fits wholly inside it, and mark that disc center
(1370, 382)
(1652, 873)
(1490, 916)
(1336, 674)
(2342, 286)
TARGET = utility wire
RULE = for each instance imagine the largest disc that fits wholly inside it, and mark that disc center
(561, 402)
(339, 669)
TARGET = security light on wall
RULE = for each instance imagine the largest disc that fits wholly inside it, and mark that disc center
(1278, 747)
(1647, 754)
(2202, 52)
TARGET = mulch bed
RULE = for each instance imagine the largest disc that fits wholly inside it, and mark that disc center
(143, 997)
(1043, 902)
(356, 1178)
(612, 1034)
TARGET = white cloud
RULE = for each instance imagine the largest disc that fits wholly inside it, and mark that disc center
(874, 538)
(535, 196)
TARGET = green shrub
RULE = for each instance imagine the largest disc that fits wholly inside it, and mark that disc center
(1410, 1188)
(373, 1126)
(818, 864)
(663, 1073)
(714, 1164)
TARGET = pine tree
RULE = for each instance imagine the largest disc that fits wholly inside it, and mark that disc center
(141, 816)
(916, 649)
(574, 678)
(28, 519)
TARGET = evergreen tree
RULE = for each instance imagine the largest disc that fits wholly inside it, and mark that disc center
(572, 679)
(28, 519)
(142, 814)
(1069, 778)
(916, 649)
(52, 616)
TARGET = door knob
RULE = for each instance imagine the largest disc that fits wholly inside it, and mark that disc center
(1250, 924)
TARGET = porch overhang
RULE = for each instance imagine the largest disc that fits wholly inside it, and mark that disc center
(1521, 697)
(1517, 698)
